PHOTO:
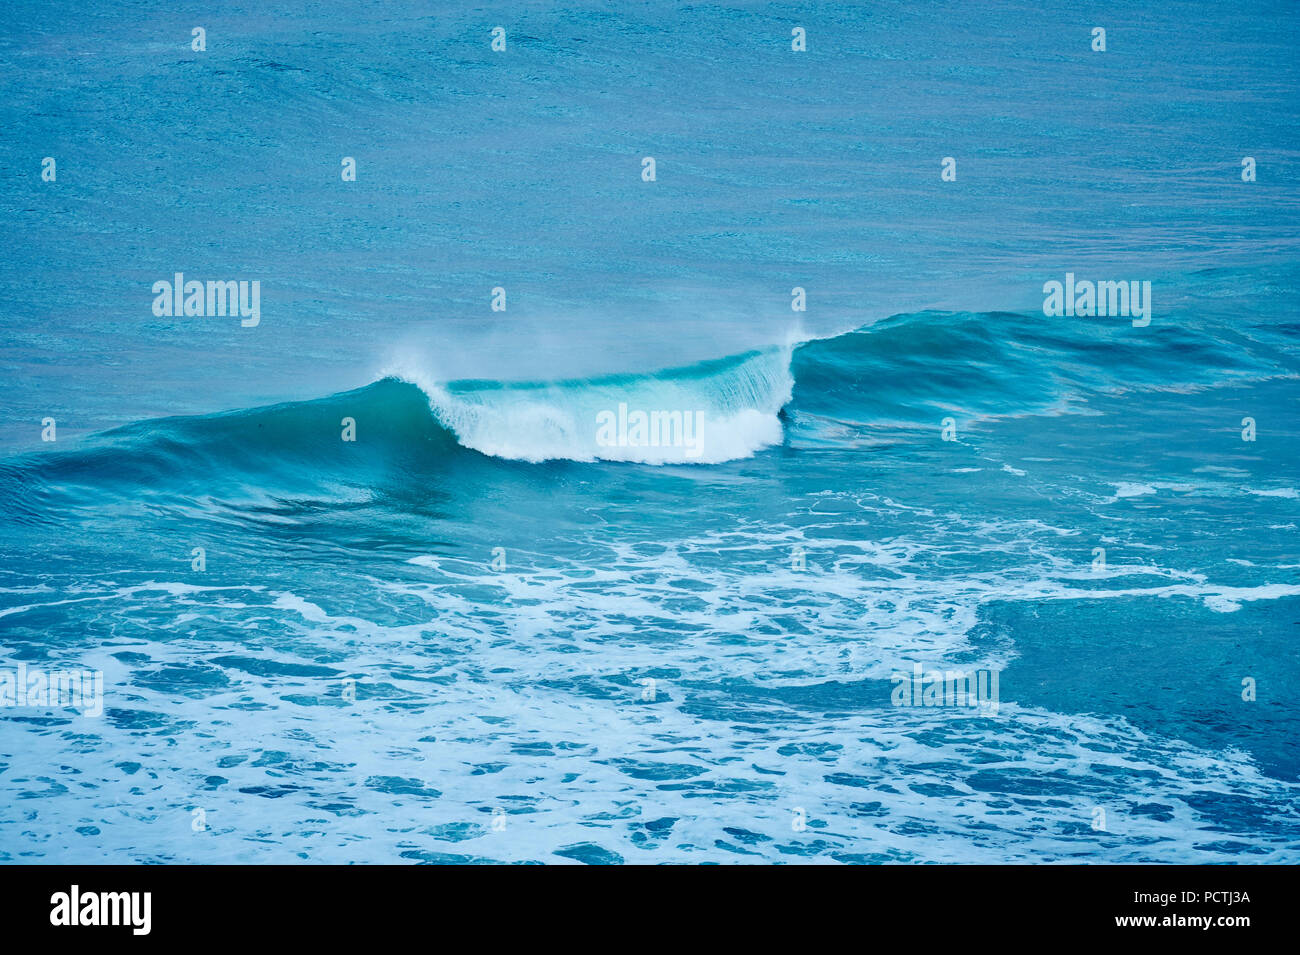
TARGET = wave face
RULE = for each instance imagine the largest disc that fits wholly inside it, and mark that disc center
(897, 376)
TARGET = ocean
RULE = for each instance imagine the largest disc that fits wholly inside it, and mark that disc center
(650, 437)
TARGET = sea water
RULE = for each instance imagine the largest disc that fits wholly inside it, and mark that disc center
(952, 574)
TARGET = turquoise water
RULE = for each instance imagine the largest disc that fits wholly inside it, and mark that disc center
(478, 632)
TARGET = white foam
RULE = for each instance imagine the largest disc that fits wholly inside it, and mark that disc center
(733, 413)
(1127, 489)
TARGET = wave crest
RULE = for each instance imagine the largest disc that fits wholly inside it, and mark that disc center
(731, 407)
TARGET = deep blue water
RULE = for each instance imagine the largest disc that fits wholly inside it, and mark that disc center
(478, 633)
